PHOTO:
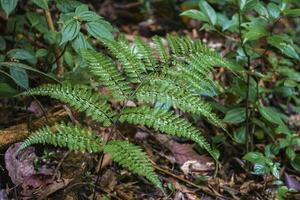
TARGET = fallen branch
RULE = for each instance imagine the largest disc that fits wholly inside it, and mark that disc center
(20, 132)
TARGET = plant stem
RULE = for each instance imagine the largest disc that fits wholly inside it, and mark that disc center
(59, 59)
(250, 136)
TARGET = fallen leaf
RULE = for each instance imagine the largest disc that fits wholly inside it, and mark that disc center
(291, 182)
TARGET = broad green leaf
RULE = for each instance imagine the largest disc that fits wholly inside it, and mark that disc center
(254, 157)
(26, 67)
(280, 42)
(22, 54)
(240, 135)
(260, 169)
(99, 30)
(83, 13)
(242, 4)
(235, 116)
(289, 50)
(250, 4)
(80, 42)
(80, 9)
(7, 91)
(67, 6)
(70, 31)
(41, 53)
(41, 3)
(296, 163)
(255, 34)
(8, 5)
(273, 10)
(195, 14)
(270, 115)
(292, 12)
(20, 76)
(261, 10)
(208, 11)
(33, 18)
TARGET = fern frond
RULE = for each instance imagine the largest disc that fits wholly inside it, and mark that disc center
(133, 67)
(145, 53)
(180, 46)
(73, 137)
(132, 157)
(77, 138)
(166, 122)
(161, 48)
(162, 90)
(80, 98)
(107, 73)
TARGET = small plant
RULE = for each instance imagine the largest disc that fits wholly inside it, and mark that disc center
(157, 80)
(270, 60)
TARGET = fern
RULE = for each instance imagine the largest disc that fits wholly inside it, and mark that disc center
(105, 70)
(76, 138)
(165, 91)
(133, 67)
(145, 53)
(176, 76)
(79, 97)
(133, 158)
(68, 136)
(166, 122)
(161, 49)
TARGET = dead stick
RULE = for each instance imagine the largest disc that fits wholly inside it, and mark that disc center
(22, 131)
(59, 61)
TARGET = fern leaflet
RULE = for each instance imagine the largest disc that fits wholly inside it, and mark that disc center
(79, 97)
(167, 122)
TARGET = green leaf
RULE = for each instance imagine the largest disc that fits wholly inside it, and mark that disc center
(280, 42)
(85, 15)
(195, 14)
(242, 4)
(41, 53)
(20, 76)
(273, 10)
(292, 12)
(255, 33)
(235, 116)
(6, 90)
(270, 115)
(254, 157)
(98, 30)
(80, 42)
(261, 169)
(250, 4)
(240, 135)
(70, 31)
(208, 11)
(296, 163)
(22, 54)
(41, 3)
(8, 5)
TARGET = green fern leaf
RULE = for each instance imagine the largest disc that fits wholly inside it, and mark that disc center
(162, 90)
(73, 137)
(133, 67)
(80, 98)
(105, 70)
(133, 158)
(145, 53)
(166, 122)
(161, 49)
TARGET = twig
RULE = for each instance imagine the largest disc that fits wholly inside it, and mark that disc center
(59, 61)
(202, 188)
(250, 136)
